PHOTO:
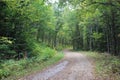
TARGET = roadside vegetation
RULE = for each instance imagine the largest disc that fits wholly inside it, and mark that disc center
(14, 69)
(31, 31)
(107, 67)
(28, 37)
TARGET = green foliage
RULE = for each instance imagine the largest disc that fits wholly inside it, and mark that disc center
(6, 51)
(4, 73)
(60, 47)
(26, 23)
(47, 53)
(29, 27)
(11, 67)
(39, 49)
(97, 24)
(106, 65)
(97, 36)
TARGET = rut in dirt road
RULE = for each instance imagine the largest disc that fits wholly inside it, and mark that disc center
(75, 66)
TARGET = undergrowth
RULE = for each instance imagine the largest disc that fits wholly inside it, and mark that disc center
(107, 67)
(43, 57)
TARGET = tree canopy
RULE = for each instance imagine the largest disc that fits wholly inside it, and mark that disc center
(84, 24)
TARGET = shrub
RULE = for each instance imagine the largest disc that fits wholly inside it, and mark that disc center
(10, 67)
(6, 51)
(4, 73)
(48, 53)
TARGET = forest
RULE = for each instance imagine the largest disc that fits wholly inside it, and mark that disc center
(35, 30)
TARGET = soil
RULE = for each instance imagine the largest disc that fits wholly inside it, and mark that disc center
(74, 66)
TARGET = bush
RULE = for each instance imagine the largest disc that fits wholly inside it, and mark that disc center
(38, 53)
(6, 51)
(4, 73)
(47, 53)
(41, 54)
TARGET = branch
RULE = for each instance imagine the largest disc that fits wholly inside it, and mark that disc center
(106, 4)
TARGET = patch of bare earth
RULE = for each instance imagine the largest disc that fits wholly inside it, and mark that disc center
(74, 66)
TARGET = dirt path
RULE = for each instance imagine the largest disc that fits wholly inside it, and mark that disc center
(74, 66)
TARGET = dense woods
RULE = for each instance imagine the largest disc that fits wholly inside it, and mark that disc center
(94, 24)
(23, 24)
(87, 24)
(29, 28)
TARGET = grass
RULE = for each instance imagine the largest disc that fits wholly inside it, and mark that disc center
(107, 67)
(32, 67)
(39, 57)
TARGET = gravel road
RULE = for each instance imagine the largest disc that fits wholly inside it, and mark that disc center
(74, 66)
